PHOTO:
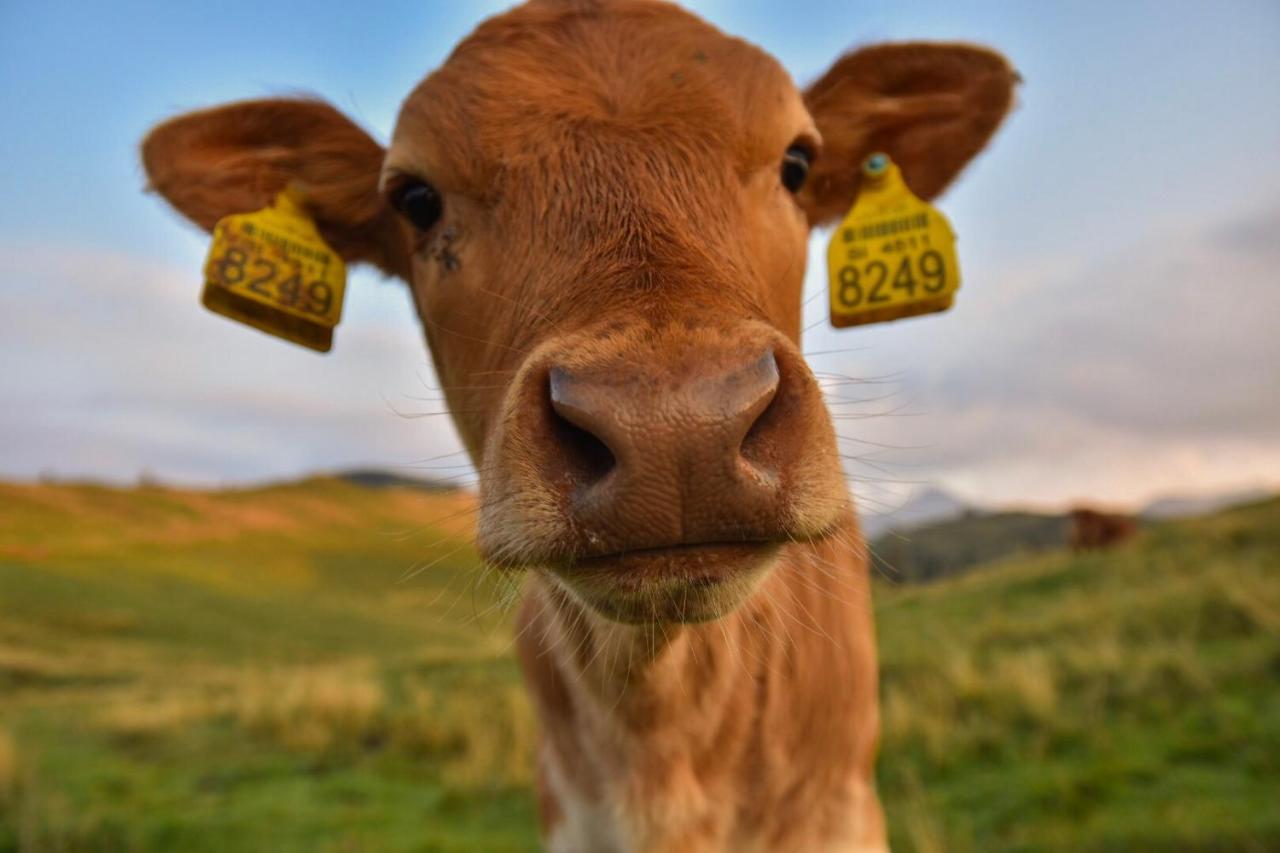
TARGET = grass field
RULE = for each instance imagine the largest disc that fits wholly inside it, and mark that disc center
(1120, 701)
(253, 671)
(264, 670)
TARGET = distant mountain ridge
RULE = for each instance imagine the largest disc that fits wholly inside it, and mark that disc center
(925, 507)
(936, 535)
(934, 504)
(945, 548)
(378, 478)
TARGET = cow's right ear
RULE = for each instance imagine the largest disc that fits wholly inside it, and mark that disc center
(236, 158)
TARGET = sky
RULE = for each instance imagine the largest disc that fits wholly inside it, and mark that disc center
(1116, 337)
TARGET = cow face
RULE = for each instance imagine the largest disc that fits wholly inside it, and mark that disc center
(603, 212)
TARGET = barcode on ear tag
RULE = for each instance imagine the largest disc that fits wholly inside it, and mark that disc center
(893, 256)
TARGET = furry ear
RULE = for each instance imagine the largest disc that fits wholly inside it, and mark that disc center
(235, 159)
(931, 107)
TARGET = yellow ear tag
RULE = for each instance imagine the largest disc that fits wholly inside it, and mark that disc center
(893, 256)
(272, 270)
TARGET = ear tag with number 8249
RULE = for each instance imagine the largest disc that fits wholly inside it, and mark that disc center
(893, 256)
(272, 270)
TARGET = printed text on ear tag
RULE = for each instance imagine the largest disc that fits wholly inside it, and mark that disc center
(893, 256)
(272, 270)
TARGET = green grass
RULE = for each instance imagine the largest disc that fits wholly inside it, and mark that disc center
(250, 671)
(1117, 701)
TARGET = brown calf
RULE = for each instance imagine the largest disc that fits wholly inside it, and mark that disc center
(1091, 529)
(602, 212)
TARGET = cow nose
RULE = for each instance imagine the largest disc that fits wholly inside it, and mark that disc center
(677, 455)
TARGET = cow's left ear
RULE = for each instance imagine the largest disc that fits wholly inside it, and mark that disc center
(931, 107)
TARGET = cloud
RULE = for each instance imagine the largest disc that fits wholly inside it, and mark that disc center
(1119, 377)
(1172, 337)
(1149, 370)
(115, 369)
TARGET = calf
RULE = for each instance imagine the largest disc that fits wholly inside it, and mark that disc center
(1094, 530)
(602, 211)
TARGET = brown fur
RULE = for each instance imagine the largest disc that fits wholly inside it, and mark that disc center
(696, 630)
(1094, 530)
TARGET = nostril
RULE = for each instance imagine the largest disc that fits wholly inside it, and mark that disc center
(585, 456)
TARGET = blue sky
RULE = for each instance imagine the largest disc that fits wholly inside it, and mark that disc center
(1114, 339)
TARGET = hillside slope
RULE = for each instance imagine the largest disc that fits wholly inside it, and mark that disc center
(1127, 700)
(309, 666)
(320, 666)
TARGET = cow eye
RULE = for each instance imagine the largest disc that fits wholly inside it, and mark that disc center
(795, 167)
(418, 202)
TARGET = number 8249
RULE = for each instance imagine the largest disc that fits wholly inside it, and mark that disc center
(873, 284)
(260, 276)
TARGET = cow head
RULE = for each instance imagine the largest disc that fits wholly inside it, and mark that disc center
(602, 211)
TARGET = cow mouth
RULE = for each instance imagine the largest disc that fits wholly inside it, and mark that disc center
(679, 583)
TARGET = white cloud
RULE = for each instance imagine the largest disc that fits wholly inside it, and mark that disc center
(1115, 378)
(114, 368)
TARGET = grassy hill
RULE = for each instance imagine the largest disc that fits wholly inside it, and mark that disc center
(321, 666)
(257, 670)
(1127, 700)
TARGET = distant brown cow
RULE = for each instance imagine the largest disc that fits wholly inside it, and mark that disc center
(603, 211)
(1091, 529)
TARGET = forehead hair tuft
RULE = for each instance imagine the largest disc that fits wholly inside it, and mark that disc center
(635, 69)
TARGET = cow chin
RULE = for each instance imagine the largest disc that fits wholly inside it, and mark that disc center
(680, 584)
